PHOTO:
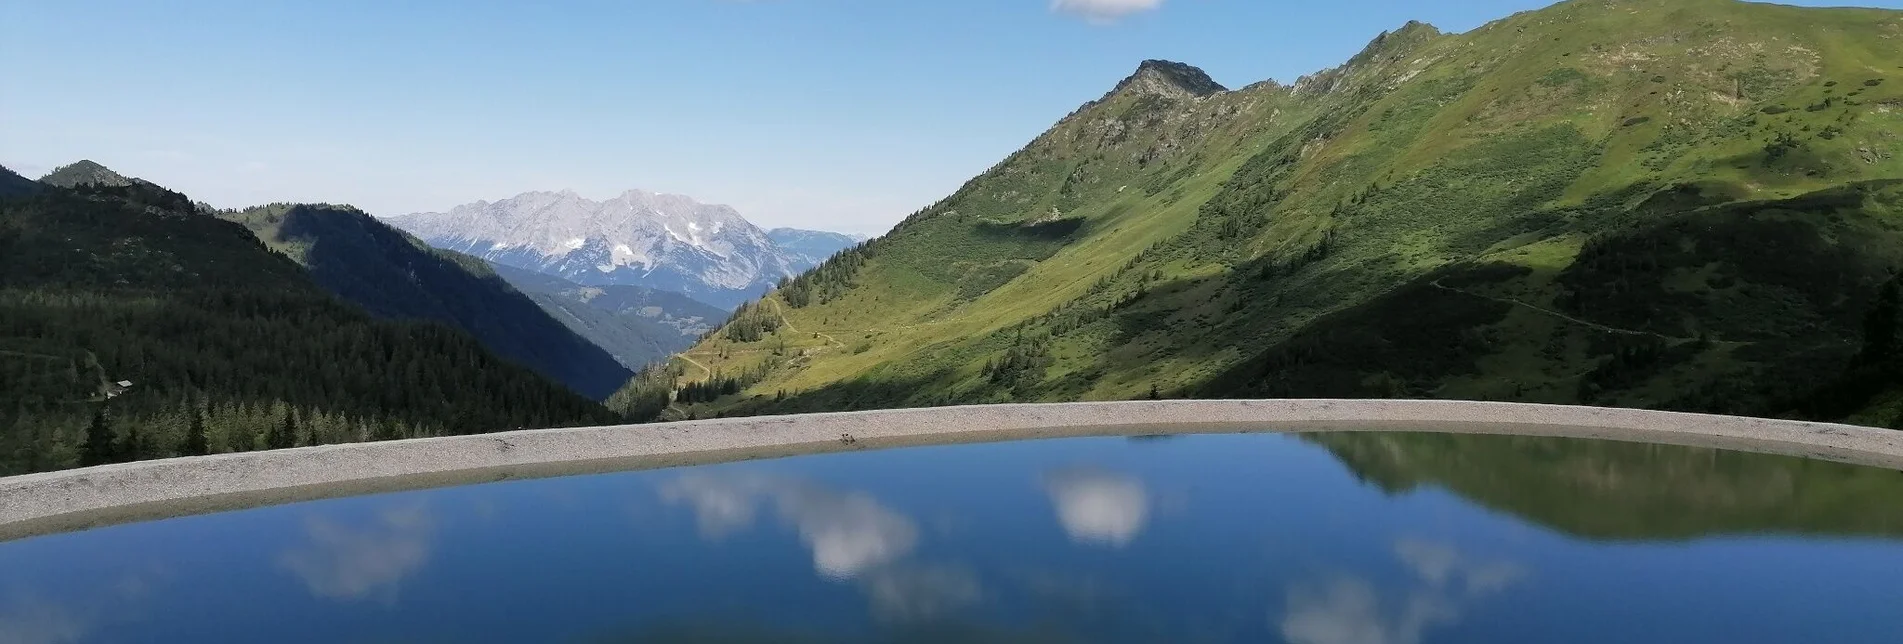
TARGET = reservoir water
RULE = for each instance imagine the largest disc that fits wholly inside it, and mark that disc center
(1335, 538)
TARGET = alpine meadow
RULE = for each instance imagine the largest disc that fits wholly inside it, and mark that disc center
(1692, 205)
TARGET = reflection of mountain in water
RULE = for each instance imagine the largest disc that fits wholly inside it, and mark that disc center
(1616, 490)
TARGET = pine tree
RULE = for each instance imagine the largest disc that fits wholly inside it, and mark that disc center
(196, 442)
(132, 448)
(98, 448)
(286, 434)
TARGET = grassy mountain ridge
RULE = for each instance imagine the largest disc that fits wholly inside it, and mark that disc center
(227, 345)
(1476, 215)
(393, 275)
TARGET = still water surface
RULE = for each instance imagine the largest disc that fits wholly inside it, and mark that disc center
(1345, 538)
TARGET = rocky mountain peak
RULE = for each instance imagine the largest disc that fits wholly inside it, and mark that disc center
(1386, 47)
(1169, 79)
(85, 172)
(658, 240)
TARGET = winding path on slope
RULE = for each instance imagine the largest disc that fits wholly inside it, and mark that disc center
(788, 323)
(1557, 314)
(76, 499)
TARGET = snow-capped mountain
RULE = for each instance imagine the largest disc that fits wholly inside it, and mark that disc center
(667, 242)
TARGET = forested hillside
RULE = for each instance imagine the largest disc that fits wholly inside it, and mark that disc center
(393, 275)
(12, 184)
(134, 326)
(635, 324)
(1682, 205)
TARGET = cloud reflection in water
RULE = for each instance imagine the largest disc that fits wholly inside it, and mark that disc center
(851, 535)
(848, 532)
(1349, 610)
(25, 620)
(1097, 506)
(354, 563)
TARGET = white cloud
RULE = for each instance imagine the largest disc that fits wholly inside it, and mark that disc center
(1098, 507)
(354, 563)
(1439, 564)
(1349, 610)
(851, 535)
(1103, 11)
(848, 532)
(722, 505)
(918, 593)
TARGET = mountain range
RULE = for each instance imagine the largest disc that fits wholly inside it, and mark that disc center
(660, 241)
(392, 275)
(1695, 205)
(135, 323)
(1683, 205)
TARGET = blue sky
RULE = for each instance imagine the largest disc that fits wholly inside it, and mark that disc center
(833, 114)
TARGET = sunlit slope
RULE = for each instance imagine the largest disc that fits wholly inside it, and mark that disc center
(1410, 223)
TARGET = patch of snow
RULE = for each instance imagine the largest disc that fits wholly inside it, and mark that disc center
(576, 243)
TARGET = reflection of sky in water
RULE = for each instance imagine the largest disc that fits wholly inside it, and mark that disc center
(1206, 539)
(848, 532)
(1097, 506)
(358, 562)
(1350, 610)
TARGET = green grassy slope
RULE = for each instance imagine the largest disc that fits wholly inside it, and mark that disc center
(1678, 205)
(393, 275)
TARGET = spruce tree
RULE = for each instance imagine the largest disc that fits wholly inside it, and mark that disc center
(286, 434)
(98, 448)
(196, 443)
(132, 448)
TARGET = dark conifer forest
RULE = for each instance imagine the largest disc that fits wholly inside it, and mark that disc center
(135, 324)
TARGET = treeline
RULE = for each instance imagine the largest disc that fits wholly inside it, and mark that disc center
(721, 383)
(1024, 362)
(647, 394)
(652, 391)
(751, 322)
(829, 279)
(244, 361)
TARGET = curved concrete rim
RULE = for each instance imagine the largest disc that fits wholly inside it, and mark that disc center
(64, 501)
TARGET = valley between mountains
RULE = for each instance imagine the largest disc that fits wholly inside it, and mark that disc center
(1690, 205)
